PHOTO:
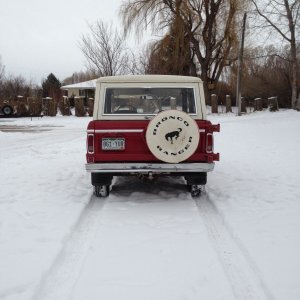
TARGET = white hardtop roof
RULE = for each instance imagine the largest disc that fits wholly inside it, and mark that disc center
(90, 84)
(149, 78)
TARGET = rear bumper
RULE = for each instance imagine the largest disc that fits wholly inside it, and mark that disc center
(155, 168)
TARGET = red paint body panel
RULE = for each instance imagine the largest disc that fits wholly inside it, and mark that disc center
(136, 149)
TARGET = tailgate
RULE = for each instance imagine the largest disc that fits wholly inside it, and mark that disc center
(125, 141)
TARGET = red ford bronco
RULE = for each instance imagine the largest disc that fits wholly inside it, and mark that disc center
(154, 125)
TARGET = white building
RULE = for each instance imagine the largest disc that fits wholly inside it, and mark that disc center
(85, 89)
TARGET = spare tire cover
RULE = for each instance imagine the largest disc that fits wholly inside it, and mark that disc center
(172, 136)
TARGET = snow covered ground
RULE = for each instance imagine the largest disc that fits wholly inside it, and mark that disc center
(240, 240)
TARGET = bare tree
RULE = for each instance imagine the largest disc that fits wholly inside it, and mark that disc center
(265, 74)
(2, 70)
(283, 17)
(106, 51)
(80, 77)
(12, 86)
(208, 27)
(142, 59)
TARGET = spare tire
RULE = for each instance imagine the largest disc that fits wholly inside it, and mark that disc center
(172, 136)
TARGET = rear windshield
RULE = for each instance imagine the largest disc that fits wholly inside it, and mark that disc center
(148, 100)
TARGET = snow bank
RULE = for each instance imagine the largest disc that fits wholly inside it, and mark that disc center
(150, 240)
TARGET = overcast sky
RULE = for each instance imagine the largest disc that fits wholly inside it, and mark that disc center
(38, 37)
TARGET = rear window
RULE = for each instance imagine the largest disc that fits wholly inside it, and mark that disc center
(148, 100)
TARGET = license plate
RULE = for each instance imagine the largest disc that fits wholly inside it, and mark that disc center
(113, 144)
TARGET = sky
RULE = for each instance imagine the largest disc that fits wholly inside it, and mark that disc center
(38, 37)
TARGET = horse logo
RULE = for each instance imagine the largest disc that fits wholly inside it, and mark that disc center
(173, 135)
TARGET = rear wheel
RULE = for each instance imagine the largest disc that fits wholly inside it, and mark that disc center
(101, 190)
(101, 183)
(199, 178)
(195, 190)
(7, 110)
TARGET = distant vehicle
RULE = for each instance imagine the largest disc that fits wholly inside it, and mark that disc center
(154, 125)
(21, 106)
(6, 108)
(14, 107)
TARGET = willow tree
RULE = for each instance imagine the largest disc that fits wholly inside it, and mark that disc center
(172, 54)
(210, 27)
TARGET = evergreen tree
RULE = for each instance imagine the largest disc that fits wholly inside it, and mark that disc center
(51, 87)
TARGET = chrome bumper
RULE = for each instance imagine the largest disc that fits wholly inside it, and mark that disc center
(148, 167)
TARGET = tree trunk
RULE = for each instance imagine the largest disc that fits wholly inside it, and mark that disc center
(205, 88)
(292, 28)
(214, 104)
(294, 75)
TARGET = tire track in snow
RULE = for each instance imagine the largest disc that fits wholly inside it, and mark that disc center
(243, 274)
(58, 282)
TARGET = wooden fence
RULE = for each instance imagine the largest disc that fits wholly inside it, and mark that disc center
(33, 106)
(247, 106)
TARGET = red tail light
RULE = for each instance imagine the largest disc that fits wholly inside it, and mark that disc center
(209, 143)
(90, 144)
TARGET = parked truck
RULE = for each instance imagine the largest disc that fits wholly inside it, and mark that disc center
(6, 107)
(150, 125)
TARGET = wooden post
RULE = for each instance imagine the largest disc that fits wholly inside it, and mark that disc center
(49, 107)
(79, 107)
(35, 106)
(298, 103)
(22, 107)
(91, 106)
(240, 67)
(64, 106)
(258, 104)
(67, 106)
(251, 106)
(243, 105)
(52, 108)
(173, 102)
(273, 104)
(214, 104)
(228, 104)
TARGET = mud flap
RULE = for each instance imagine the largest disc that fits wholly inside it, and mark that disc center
(101, 179)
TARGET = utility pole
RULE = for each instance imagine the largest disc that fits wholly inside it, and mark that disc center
(240, 67)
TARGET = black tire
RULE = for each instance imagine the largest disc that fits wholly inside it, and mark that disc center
(196, 178)
(7, 110)
(195, 191)
(101, 191)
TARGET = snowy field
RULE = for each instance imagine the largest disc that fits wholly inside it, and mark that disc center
(240, 240)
